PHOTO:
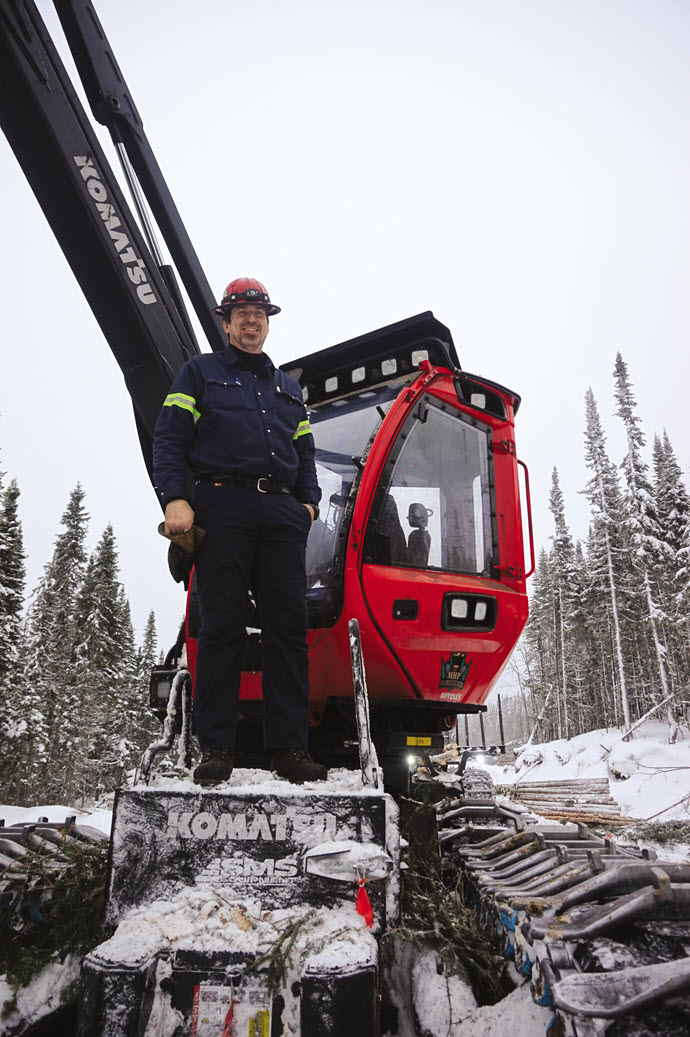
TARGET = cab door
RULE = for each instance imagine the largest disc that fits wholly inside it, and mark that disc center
(431, 552)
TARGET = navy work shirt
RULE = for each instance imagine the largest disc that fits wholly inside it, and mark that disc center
(222, 418)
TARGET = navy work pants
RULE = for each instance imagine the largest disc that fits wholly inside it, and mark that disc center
(255, 540)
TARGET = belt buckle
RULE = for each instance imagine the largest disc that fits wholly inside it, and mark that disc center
(262, 478)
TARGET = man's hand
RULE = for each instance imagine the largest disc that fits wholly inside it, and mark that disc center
(309, 509)
(179, 517)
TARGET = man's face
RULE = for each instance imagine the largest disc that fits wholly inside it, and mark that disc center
(247, 327)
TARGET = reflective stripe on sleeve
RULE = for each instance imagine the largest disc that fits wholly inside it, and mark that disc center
(302, 429)
(180, 399)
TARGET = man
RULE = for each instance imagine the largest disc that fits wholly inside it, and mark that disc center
(242, 428)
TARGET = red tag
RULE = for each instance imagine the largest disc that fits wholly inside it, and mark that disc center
(195, 1010)
(364, 904)
(228, 1019)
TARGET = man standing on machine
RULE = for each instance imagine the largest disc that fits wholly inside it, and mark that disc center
(240, 425)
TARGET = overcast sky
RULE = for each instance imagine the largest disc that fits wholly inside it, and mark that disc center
(519, 168)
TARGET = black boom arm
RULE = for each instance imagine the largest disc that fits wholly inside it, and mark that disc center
(141, 317)
(112, 105)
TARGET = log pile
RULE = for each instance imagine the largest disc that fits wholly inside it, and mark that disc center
(573, 799)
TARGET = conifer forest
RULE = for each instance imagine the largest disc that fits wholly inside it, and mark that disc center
(73, 716)
(607, 642)
(608, 639)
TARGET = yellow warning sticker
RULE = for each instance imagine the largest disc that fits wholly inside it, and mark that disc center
(259, 1025)
(418, 741)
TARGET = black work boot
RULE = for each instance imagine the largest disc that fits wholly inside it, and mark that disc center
(215, 766)
(297, 765)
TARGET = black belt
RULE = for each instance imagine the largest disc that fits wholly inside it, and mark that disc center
(253, 482)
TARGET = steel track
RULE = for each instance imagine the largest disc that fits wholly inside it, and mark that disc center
(599, 928)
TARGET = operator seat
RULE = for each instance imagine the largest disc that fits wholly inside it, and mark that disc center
(419, 540)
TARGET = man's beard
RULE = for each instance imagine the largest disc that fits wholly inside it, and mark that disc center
(252, 343)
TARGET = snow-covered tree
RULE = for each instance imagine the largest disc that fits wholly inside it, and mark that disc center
(127, 712)
(585, 683)
(106, 672)
(607, 553)
(609, 629)
(673, 509)
(541, 651)
(12, 578)
(13, 721)
(649, 551)
(148, 652)
(671, 496)
(99, 609)
(49, 728)
(562, 571)
(76, 713)
(682, 582)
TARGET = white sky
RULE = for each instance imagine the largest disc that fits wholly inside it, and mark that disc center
(521, 169)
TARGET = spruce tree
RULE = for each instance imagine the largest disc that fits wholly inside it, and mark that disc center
(606, 550)
(601, 660)
(541, 653)
(562, 566)
(649, 551)
(669, 513)
(12, 579)
(149, 647)
(585, 688)
(15, 710)
(682, 583)
(100, 606)
(106, 672)
(672, 499)
(48, 671)
(673, 508)
(125, 709)
(147, 658)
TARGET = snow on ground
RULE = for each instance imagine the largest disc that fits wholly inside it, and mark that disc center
(40, 997)
(514, 1016)
(100, 817)
(648, 778)
(423, 993)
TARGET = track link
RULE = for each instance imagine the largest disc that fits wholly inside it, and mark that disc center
(33, 855)
(601, 929)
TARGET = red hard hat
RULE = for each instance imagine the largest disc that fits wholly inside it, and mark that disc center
(246, 290)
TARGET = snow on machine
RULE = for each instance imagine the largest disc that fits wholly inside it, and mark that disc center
(256, 908)
(420, 543)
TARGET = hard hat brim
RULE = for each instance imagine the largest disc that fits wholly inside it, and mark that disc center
(271, 308)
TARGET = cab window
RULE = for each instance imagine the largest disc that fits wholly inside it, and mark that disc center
(433, 508)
